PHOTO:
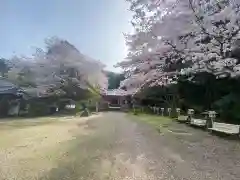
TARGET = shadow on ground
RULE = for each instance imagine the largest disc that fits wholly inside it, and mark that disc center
(84, 156)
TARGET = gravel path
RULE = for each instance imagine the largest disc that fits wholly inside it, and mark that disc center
(121, 148)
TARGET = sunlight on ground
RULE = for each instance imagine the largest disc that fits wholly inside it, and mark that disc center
(29, 148)
(162, 124)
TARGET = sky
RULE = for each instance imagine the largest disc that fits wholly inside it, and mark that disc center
(95, 27)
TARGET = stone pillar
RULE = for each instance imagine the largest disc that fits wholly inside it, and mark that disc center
(154, 109)
(162, 111)
(97, 109)
(169, 112)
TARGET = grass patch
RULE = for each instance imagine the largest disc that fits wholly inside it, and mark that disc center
(20, 123)
(159, 122)
(15, 123)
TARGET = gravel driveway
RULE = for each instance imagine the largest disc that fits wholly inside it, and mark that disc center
(121, 148)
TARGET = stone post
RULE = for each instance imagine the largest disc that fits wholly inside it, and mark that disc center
(162, 111)
(97, 109)
(169, 112)
(154, 109)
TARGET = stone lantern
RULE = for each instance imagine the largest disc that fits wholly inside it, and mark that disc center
(178, 110)
(212, 115)
(190, 113)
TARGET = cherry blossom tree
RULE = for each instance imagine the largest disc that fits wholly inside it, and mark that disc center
(150, 51)
(181, 37)
(219, 31)
(57, 66)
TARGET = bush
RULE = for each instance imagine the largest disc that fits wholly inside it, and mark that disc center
(4, 106)
(38, 109)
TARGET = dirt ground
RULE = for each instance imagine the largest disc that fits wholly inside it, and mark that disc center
(29, 148)
(114, 146)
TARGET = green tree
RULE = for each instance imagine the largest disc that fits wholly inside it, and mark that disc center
(114, 80)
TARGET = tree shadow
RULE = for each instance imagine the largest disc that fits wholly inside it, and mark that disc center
(233, 137)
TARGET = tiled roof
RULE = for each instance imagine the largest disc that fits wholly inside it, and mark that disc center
(117, 92)
(7, 87)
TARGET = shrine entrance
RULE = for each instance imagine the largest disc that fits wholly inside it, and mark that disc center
(117, 99)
